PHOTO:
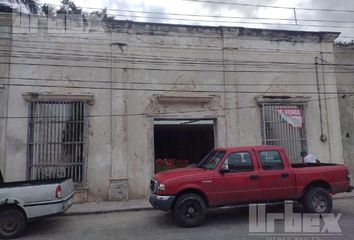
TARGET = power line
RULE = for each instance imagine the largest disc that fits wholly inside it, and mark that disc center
(174, 90)
(106, 54)
(246, 67)
(137, 59)
(152, 45)
(167, 47)
(161, 32)
(167, 63)
(158, 60)
(173, 84)
(166, 69)
(166, 113)
(134, 58)
(149, 47)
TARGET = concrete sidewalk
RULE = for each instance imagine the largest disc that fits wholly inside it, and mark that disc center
(344, 195)
(107, 207)
(135, 205)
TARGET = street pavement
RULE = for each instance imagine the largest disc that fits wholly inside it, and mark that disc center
(157, 225)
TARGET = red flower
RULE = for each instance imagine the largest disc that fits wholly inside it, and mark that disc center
(160, 162)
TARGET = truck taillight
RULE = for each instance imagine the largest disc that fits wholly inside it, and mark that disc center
(58, 192)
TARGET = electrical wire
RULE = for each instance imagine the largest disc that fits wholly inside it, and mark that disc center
(172, 90)
(151, 45)
(167, 113)
(144, 68)
(71, 80)
(135, 59)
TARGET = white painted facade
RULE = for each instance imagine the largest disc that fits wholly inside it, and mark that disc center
(133, 73)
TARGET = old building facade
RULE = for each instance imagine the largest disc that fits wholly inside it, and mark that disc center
(106, 104)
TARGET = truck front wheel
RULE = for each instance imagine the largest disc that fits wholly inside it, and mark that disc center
(189, 210)
(317, 200)
(12, 223)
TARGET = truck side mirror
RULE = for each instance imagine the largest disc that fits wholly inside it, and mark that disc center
(224, 169)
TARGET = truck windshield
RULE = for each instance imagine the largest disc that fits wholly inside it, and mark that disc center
(211, 160)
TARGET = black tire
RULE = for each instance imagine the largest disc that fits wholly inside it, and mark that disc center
(317, 200)
(12, 223)
(189, 210)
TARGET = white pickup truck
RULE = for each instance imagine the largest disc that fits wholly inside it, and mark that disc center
(25, 201)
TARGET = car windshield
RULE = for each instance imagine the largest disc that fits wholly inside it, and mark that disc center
(211, 160)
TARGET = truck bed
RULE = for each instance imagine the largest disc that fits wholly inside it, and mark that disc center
(305, 165)
(333, 176)
(31, 182)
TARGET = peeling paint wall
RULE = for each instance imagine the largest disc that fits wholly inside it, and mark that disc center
(128, 66)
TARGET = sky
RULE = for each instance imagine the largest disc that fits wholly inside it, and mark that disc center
(225, 13)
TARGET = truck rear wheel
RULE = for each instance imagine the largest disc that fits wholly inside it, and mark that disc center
(189, 210)
(12, 223)
(317, 200)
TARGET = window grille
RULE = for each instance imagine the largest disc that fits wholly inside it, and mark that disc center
(57, 140)
(277, 131)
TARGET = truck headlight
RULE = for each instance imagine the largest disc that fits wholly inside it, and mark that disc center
(161, 187)
(349, 176)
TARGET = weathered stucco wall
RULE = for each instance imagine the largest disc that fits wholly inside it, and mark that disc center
(5, 48)
(50, 59)
(217, 56)
(344, 58)
(130, 67)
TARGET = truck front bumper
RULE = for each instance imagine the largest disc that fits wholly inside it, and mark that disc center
(163, 203)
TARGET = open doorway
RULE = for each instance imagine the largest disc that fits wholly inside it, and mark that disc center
(179, 143)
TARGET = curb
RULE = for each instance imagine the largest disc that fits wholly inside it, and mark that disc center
(143, 209)
(344, 197)
(108, 211)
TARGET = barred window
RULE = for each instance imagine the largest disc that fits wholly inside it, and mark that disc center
(56, 140)
(283, 125)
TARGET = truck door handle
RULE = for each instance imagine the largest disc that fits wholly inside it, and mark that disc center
(285, 175)
(254, 177)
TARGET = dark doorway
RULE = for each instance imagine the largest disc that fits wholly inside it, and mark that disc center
(179, 143)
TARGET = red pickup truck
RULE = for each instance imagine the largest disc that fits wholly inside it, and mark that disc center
(254, 174)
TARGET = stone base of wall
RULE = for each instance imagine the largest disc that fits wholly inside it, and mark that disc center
(81, 195)
(118, 190)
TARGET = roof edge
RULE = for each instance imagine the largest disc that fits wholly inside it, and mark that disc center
(230, 31)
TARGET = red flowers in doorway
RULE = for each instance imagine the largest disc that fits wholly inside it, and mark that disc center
(169, 163)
